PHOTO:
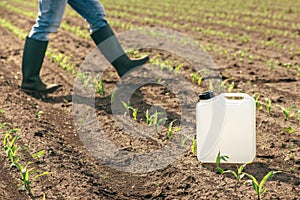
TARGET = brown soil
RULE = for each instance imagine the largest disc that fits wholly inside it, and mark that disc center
(76, 174)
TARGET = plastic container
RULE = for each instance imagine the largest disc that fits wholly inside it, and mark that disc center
(226, 124)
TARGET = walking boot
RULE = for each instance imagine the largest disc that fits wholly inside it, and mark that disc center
(113, 52)
(33, 56)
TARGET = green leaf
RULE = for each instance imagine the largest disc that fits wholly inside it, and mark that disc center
(220, 170)
(266, 178)
(231, 172)
(253, 179)
(39, 175)
(263, 191)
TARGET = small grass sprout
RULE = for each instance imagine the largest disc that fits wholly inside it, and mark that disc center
(259, 187)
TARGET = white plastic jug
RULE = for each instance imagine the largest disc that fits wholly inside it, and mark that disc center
(226, 124)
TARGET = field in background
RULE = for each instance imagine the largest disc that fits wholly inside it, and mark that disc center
(256, 47)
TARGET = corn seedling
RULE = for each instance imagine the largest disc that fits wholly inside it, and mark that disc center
(157, 121)
(259, 187)
(218, 162)
(3, 125)
(239, 174)
(128, 108)
(177, 69)
(257, 102)
(229, 86)
(39, 114)
(29, 175)
(289, 130)
(38, 155)
(134, 113)
(287, 112)
(100, 89)
(149, 119)
(268, 106)
(170, 130)
(112, 96)
(298, 116)
(10, 146)
(194, 146)
(2, 112)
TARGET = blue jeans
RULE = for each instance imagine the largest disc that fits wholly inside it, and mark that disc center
(51, 13)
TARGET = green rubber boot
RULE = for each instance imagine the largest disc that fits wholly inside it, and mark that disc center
(113, 52)
(33, 56)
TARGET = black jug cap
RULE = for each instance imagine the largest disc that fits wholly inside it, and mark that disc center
(206, 95)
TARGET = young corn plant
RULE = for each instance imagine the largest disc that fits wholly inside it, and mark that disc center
(260, 188)
(218, 162)
(288, 112)
(194, 146)
(257, 102)
(128, 108)
(157, 121)
(239, 174)
(39, 114)
(29, 175)
(149, 118)
(172, 129)
(100, 89)
(10, 146)
(134, 113)
(268, 106)
(298, 116)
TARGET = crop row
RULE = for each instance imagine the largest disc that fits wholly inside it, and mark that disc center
(221, 51)
(62, 60)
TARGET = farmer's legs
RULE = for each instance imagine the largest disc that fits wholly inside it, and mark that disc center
(94, 13)
(48, 21)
